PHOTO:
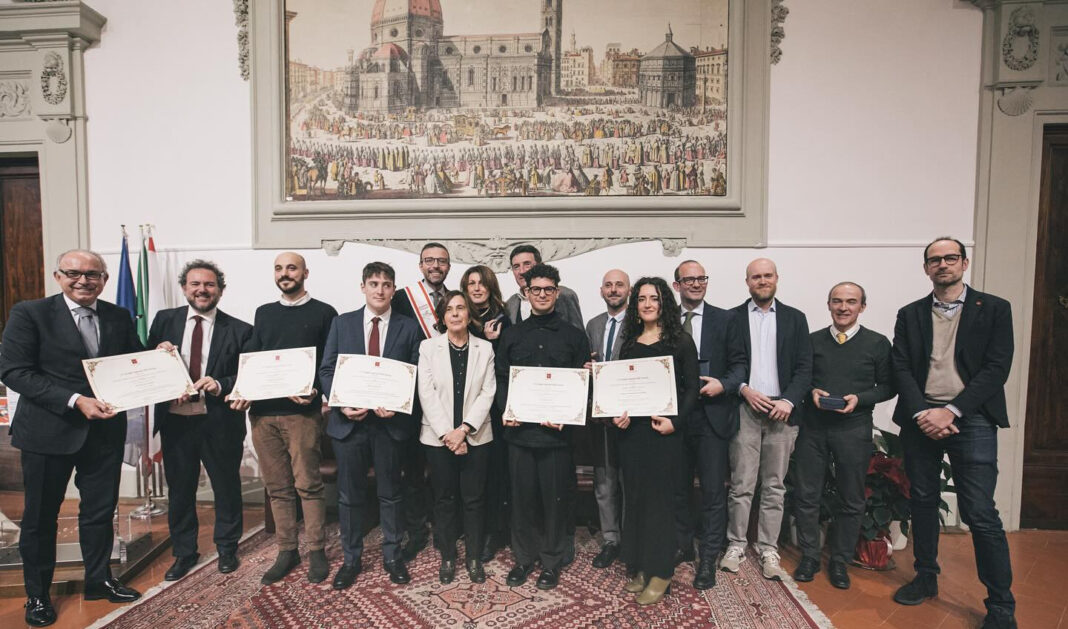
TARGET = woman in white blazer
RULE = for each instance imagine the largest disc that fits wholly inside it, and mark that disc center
(456, 389)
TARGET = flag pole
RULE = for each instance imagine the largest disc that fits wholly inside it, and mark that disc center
(149, 509)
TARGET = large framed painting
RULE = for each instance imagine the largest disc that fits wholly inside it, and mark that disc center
(609, 120)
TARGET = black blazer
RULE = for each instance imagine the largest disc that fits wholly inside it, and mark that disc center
(346, 337)
(723, 356)
(402, 306)
(227, 338)
(983, 356)
(42, 358)
(793, 352)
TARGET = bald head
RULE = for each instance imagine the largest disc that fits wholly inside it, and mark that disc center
(290, 271)
(615, 290)
(762, 278)
(761, 265)
(81, 275)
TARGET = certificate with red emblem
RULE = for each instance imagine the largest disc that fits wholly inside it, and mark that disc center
(139, 379)
(547, 394)
(274, 374)
(642, 387)
(362, 381)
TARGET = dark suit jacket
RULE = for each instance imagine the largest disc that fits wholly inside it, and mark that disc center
(400, 305)
(983, 356)
(723, 356)
(793, 352)
(567, 304)
(346, 337)
(599, 429)
(227, 339)
(42, 360)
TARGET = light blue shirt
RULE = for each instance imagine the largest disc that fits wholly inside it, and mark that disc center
(763, 361)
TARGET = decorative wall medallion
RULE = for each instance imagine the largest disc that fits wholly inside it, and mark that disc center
(53, 79)
(241, 20)
(1021, 37)
(779, 11)
(1016, 101)
(1060, 62)
(493, 252)
(14, 99)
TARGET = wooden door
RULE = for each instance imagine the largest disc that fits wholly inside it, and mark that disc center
(1045, 492)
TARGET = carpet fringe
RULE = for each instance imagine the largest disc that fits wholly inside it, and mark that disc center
(817, 615)
(156, 589)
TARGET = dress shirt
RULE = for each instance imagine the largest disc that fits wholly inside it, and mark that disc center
(207, 326)
(300, 302)
(763, 360)
(949, 309)
(695, 323)
(524, 307)
(73, 306)
(850, 333)
(610, 342)
(383, 327)
(435, 296)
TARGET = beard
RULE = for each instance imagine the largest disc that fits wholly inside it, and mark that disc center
(294, 288)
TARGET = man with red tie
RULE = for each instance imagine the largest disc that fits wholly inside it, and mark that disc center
(203, 428)
(364, 438)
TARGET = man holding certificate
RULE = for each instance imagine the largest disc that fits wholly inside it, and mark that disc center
(539, 455)
(286, 430)
(202, 428)
(365, 437)
(60, 427)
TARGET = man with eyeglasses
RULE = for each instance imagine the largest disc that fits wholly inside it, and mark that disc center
(518, 306)
(721, 357)
(61, 428)
(539, 456)
(420, 302)
(951, 357)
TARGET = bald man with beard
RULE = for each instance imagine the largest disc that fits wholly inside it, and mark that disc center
(286, 431)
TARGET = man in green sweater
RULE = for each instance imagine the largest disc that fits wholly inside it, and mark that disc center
(851, 373)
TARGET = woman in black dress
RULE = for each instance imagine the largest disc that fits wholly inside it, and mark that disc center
(650, 448)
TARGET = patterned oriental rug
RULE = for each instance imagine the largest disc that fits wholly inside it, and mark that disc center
(586, 597)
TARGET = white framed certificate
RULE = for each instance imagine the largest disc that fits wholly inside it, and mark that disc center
(642, 387)
(548, 394)
(139, 379)
(274, 374)
(362, 381)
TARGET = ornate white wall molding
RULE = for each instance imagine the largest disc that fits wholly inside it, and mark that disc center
(14, 98)
(779, 11)
(241, 20)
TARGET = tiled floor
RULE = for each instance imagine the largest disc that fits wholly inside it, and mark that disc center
(1037, 558)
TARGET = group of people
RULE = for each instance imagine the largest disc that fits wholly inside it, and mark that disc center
(752, 382)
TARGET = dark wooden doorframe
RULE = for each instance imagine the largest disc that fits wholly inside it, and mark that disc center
(1045, 494)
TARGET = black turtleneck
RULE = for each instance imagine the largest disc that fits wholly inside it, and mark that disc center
(539, 341)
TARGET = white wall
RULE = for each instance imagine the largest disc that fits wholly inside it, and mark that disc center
(874, 117)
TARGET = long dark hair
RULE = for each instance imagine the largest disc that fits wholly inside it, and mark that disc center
(670, 315)
(439, 325)
(495, 303)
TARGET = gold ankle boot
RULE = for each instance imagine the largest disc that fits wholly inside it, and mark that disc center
(654, 591)
(636, 583)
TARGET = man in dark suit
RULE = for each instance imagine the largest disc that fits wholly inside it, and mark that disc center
(434, 264)
(364, 437)
(521, 260)
(204, 428)
(951, 357)
(605, 332)
(779, 375)
(60, 427)
(721, 356)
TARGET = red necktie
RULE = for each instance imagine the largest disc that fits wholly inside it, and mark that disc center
(372, 342)
(194, 351)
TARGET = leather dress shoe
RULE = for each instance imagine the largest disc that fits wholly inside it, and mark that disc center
(398, 572)
(838, 575)
(807, 569)
(447, 570)
(705, 578)
(39, 611)
(918, 590)
(518, 575)
(608, 554)
(228, 562)
(412, 549)
(346, 576)
(111, 589)
(684, 555)
(181, 567)
(548, 579)
(998, 621)
(475, 571)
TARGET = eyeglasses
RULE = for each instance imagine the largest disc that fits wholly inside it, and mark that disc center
(694, 280)
(537, 290)
(952, 258)
(440, 261)
(92, 276)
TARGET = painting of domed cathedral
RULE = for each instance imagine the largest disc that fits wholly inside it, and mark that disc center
(404, 99)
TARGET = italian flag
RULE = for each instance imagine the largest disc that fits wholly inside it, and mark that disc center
(150, 300)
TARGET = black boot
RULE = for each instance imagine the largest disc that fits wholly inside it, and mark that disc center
(286, 561)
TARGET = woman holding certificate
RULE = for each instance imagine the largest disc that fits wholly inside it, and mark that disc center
(456, 388)
(651, 448)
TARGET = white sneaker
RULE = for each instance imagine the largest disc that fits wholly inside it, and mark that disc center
(769, 565)
(734, 556)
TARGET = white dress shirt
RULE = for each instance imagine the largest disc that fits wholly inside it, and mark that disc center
(696, 322)
(610, 341)
(763, 362)
(383, 327)
(524, 307)
(300, 302)
(207, 326)
(850, 333)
